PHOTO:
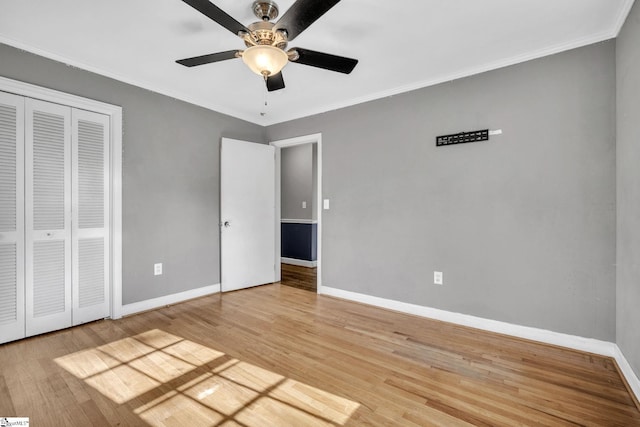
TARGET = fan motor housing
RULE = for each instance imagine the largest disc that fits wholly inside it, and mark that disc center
(262, 34)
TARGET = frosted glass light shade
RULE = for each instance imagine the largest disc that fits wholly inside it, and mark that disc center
(265, 60)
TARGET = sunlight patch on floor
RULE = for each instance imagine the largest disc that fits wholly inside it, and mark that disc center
(122, 383)
(180, 382)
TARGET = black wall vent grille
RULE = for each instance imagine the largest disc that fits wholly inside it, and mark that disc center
(463, 137)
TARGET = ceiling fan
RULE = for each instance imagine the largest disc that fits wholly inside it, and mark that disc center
(266, 41)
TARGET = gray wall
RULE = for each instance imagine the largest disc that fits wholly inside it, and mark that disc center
(296, 182)
(523, 226)
(170, 175)
(628, 150)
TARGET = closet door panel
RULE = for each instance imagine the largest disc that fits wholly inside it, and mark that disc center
(90, 138)
(49, 287)
(12, 315)
(48, 216)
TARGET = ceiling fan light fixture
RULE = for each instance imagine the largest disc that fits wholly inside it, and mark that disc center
(265, 60)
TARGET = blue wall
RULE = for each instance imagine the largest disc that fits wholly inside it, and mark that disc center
(299, 241)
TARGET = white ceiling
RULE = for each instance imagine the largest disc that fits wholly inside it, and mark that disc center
(402, 45)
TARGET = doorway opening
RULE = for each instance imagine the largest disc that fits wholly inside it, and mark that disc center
(298, 212)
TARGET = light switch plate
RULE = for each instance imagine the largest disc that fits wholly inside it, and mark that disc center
(325, 204)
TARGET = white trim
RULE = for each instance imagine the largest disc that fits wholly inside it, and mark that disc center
(319, 210)
(202, 102)
(622, 17)
(151, 304)
(298, 140)
(56, 97)
(589, 345)
(300, 262)
(290, 142)
(116, 215)
(628, 372)
(278, 226)
(299, 113)
(578, 343)
(298, 221)
(115, 114)
(445, 78)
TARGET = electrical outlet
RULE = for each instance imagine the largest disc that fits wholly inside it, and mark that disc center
(438, 278)
(157, 269)
(304, 205)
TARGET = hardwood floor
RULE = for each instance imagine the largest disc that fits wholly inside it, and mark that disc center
(280, 356)
(299, 277)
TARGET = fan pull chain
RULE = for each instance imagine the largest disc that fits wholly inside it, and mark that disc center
(264, 110)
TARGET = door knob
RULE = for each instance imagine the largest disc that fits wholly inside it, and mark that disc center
(226, 224)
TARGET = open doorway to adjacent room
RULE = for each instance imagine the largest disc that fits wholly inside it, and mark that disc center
(299, 203)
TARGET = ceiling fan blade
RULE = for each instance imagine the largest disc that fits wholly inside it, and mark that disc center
(207, 59)
(302, 14)
(218, 15)
(275, 82)
(325, 60)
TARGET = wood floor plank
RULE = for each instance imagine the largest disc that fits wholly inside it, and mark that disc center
(6, 403)
(280, 355)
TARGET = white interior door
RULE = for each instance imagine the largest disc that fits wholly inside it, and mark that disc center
(247, 214)
(48, 216)
(90, 220)
(12, 320)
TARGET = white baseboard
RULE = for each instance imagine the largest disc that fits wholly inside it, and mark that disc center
(579, 343)
(300, 262)
(629, 374)
(153, 303)
(589, 345)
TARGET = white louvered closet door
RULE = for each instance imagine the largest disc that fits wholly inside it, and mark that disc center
(12, 320)
(90, 223)
(48, 216)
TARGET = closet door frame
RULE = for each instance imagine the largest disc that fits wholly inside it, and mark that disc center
(115, 176)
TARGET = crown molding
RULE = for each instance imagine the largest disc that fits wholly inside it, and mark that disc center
(622, 17)
(490, 66)
(301, 113)
(134, 82)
